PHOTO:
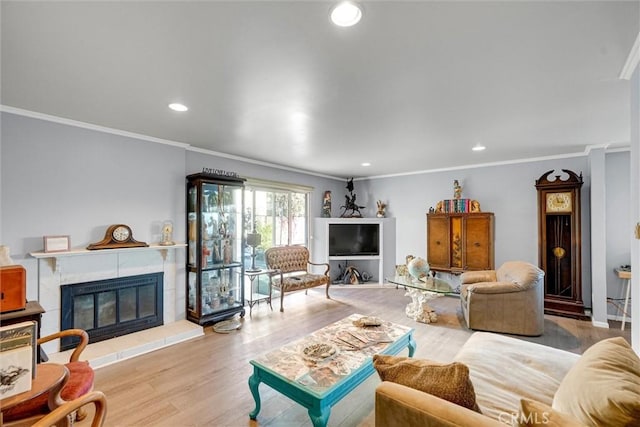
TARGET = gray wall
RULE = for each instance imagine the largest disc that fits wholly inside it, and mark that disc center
(618, 215)
(58, 179)
(509, 191)
(506, 190)
(61, 179)
(635, 207)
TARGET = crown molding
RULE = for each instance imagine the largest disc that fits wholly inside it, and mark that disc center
(185, 146)
(188, 147)
(259, 162)
(584, 153)
(632, 61)
(90, 126)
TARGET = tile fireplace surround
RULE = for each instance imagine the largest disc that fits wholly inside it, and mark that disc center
(78, 266)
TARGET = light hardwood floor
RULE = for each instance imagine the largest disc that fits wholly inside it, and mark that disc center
(203, 382)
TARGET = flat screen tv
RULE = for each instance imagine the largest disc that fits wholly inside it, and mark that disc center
(354, 239)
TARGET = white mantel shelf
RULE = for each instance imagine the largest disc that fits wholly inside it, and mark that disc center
(53, 257)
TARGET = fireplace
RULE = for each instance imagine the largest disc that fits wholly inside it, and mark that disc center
(111, 308)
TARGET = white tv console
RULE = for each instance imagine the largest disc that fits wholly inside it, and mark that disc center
(380, 266)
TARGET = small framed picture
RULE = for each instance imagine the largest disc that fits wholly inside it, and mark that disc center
(57, 243)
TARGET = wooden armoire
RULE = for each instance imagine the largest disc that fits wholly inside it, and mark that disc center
(457, 242)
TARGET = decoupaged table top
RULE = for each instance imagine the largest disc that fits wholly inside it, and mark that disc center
(345, 348)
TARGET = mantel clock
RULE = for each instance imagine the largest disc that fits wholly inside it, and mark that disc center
(559, 243)
(117, 236)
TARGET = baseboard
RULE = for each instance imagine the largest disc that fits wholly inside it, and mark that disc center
(368, 285)
(618, 318)
(599, 324)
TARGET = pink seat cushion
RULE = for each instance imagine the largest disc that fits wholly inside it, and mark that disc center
(80, 382)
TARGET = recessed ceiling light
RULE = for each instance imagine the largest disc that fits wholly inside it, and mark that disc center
(346, 14)
(478, 147)
(178, 107)
(365, 164)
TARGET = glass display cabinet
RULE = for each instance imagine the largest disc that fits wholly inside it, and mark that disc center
(215, 230)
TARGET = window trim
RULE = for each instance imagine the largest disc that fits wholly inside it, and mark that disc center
(264, 184)
(257, 184)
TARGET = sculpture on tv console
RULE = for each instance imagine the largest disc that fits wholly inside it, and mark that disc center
(350, 204)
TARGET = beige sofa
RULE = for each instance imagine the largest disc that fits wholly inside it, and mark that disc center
(508, 300)
(504, 370)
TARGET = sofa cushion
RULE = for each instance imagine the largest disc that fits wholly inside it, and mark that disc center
(603, 388)
(520, 273)
(301, 281)
(450, 382)
(505, 369)
(533, 413)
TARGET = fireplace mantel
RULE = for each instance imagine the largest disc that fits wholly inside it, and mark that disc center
(53, 257)
(57, 269)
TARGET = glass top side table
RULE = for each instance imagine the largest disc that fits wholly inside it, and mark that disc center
(421, 292)
(254, 296)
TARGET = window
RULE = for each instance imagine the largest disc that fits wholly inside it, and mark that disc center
(278, 212)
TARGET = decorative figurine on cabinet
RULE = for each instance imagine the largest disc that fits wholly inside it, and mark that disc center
(350, 203)
(326, 204)
(226, 252)
(381, 209)
(457, 189)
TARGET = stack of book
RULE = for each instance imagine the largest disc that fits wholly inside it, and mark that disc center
(18, 346)
(456, 205)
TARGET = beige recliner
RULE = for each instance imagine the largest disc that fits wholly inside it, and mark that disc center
(508, 300)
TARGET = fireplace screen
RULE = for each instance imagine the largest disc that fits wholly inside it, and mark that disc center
(111, 308)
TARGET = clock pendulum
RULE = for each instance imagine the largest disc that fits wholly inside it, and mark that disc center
(559, 251)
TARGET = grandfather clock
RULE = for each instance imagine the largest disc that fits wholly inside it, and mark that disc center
(559, 243)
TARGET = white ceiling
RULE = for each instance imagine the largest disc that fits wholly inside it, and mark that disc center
(412, 87)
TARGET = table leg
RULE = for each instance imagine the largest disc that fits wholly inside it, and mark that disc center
(626, 304)
(418, 309)
(320, 418)
(411, 345)
(254, 382)
(270, 293)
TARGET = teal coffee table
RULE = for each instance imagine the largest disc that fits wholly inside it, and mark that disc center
(322, 368)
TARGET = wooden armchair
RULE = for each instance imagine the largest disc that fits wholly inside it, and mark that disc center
(79, 383)
(292, 270)
(63, 415)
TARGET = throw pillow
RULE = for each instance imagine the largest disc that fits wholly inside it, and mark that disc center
(603, 387)
(450, 382)
(533, 413)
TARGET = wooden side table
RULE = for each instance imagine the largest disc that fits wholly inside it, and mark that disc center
(50, 377)
(626, 276)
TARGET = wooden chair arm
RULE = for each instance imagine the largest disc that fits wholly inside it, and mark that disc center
(84, 340)
(65, 411)
(276, 272)
(322, 263)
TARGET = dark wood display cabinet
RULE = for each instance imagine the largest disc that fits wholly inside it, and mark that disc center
(559, 243)
(215, 247)
(457, 242)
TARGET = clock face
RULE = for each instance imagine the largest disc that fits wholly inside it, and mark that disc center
(559, 202)
(121, 233)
